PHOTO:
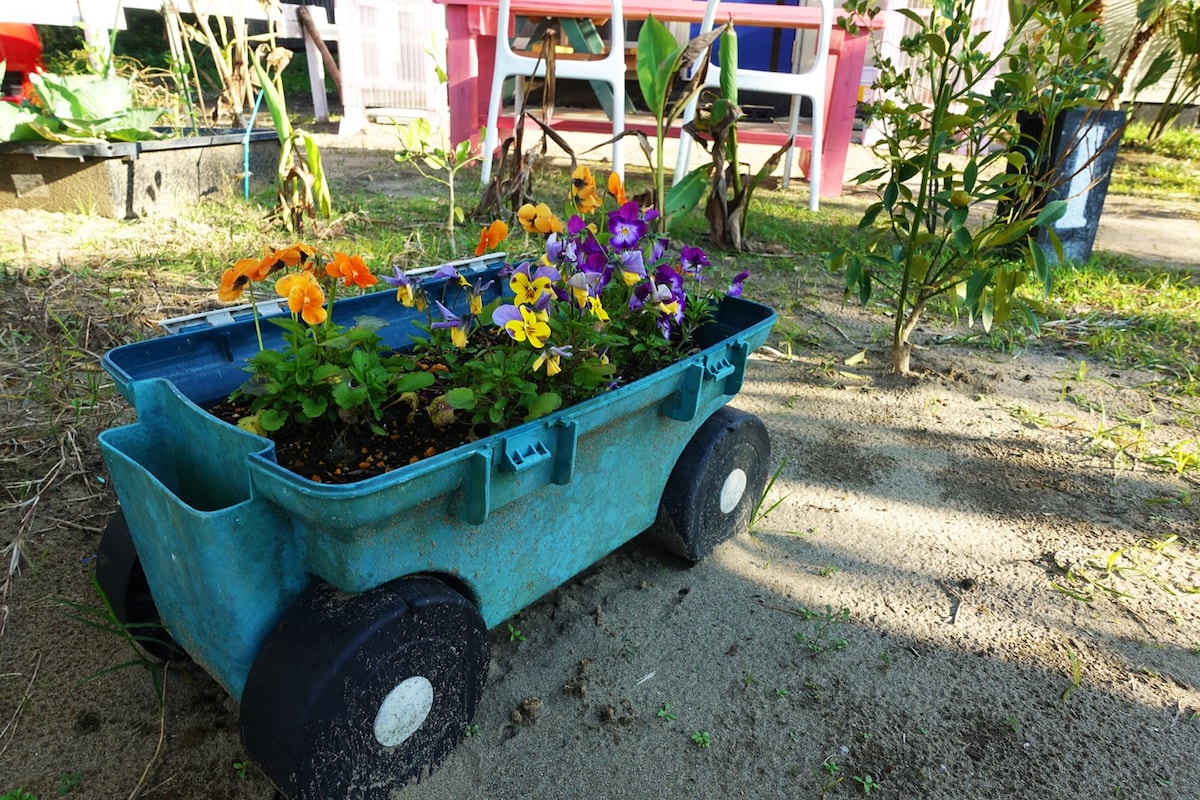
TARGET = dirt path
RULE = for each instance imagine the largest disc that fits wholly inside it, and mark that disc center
(968, 589)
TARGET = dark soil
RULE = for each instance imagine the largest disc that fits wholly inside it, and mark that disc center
(325, 451)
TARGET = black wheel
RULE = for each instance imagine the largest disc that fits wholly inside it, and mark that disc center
(120, 575)
(353, 696)
(717, 480)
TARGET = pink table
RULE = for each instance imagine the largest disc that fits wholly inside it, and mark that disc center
(471, 50)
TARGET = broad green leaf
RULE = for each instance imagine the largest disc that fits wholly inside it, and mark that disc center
(1051, 213)
(656, 46)
(462, 397)
(272, 419)
(413, 381)
(729, 60)
(276, 104)
(970, 174)
(320, 187)
(542, 405)
(685, 195)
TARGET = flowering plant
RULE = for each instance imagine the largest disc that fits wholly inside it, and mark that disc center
(605, 301)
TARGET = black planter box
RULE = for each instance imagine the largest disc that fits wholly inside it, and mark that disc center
(125, 180)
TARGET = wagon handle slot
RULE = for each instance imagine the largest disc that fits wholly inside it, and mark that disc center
(519, 454)
(729, 367)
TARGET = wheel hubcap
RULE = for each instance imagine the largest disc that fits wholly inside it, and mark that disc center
(403, 711)
(732, 490)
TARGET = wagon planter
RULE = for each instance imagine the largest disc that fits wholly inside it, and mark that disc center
(350, 621)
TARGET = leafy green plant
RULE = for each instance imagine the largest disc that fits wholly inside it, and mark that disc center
(940, 118)
(666, 713)
(662, 65)
(239, 768)
(79, 108)
(867, 783)
(598, 307)
(303, 190)
(701, 739)
(829, 775)
(824, 636)
(18, 794)
(1179, 22)
(324, 370)
(729, 190)
(1076, 673)
(514, 634)
(419, 147)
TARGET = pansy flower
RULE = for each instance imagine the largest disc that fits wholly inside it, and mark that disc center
(351, 269)
(476, 297)
(550, 358)
(626, 227)
(448, 272)
(491, 236)
(304, 296)
(408, 291)
(583, 190)
(529, 288)
(692, 260)
(295, 255)
(616, 187)
(664, 295)
(522, 324)
(458, 326)
(735, 286)
(633, 267)
(238, 277)
(538, 219)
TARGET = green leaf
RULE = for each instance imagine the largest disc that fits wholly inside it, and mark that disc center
(542, 405)
(970, 175)
(413, 381)
(275, 102)
(1051, 213)
(272, 419)
(687, 193)
(657, 53)
(320, 186)
(461, 398)
(729, 60)
(313, 407)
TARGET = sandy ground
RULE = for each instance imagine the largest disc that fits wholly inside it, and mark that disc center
(966, 590)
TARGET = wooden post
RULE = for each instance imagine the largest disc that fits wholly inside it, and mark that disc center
(311, 31)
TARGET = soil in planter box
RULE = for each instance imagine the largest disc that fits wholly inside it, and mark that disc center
(334, 452)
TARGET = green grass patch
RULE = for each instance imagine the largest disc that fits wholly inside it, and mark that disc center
(1169, 167)
(1131, 315)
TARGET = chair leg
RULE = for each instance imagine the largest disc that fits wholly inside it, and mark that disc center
(491, 135)
(685, 144)
(818, 144)
(618, 120)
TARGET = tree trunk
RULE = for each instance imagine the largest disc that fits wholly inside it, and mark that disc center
(901, 346)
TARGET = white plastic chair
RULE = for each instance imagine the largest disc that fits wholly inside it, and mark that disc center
(810, 83)
(610, 68)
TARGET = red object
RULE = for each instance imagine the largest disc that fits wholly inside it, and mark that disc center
(21, 49)
(471, 51)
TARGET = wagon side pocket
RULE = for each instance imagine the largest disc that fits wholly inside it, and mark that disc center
(221, 563)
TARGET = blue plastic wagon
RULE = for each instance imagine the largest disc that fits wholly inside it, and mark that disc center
(350, 621)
